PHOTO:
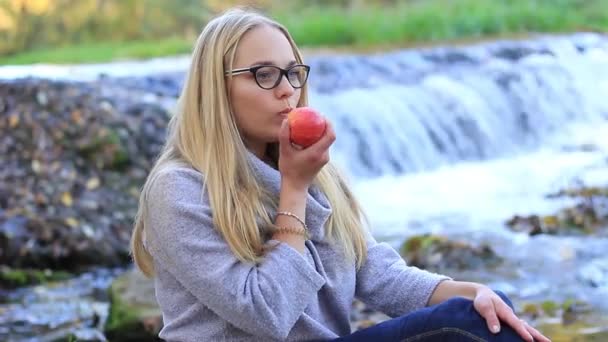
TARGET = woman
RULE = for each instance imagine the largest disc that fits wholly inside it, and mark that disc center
(251, 238)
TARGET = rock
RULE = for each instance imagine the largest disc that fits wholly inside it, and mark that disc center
(134, 312)
(13, 278)
(530, 224)
(574, 332)
(72, 155)
(588, 216)
(585, 192)
(566, 312)
(439, 254)
(567, 321)
(76, 307)
(514, 53)
(451, 56)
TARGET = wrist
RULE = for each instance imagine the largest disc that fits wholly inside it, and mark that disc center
(295, 188)
(471, 290)
(296, 241)
(450, 288)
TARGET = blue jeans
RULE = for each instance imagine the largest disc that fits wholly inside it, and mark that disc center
(453, 320)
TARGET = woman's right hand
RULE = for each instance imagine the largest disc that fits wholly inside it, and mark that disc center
(299, 166)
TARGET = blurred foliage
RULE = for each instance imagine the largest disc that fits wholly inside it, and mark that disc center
(35, 25)
(28, 24)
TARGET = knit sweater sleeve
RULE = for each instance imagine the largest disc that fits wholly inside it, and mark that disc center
(387, 284)
(264, 299)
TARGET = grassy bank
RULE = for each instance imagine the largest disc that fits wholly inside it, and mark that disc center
(414, 22)
(424, 21)
(101, 52)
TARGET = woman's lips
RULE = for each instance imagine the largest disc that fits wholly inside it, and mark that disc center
(285, 111)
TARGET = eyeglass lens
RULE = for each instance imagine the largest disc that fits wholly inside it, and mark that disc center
(270, 76)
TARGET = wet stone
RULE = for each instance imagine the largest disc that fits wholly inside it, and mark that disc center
(77, 307)
(439, 254)
(73, 151)
(588, 216)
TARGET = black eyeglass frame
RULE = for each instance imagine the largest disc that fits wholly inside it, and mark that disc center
(283, 72)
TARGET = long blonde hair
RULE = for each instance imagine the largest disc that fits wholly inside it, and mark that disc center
(203, 135)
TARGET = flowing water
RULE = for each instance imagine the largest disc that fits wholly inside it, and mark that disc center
(455, 141)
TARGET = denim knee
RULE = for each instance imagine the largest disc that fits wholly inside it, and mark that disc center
(459, 313)
(457, 302)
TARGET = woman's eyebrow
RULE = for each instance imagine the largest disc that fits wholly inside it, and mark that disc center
(262, 63)
(266, 62)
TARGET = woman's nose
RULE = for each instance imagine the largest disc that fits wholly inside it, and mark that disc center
(284, 89)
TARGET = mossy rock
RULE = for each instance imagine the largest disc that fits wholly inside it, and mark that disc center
(584, 191)
(586, 216)
(438, 253)
(567, 311)
(93, 144)
(578, 332)
(421, 242)
(134, 313)
(570, 320)
(13, 278)
(105, 149)
(549, 307)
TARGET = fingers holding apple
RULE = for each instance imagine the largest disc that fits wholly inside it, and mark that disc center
(304, 139)
(310, 131)
(326, 140)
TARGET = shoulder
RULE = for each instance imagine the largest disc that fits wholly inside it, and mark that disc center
(175, 181)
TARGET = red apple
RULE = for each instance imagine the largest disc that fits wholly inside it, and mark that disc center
(306, 126)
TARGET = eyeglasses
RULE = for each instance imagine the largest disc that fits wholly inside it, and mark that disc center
(269, 76)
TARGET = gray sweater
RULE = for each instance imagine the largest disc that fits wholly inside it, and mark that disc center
(206, 294)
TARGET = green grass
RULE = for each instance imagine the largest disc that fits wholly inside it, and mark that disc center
(101, 52)
(427, 21)
(414, 22)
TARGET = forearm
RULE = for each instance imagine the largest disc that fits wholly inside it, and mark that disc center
(450, 288)
(293, 200)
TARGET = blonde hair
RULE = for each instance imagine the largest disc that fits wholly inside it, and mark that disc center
(203, 135)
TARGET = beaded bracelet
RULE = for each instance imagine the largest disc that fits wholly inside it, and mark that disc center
(292, 230)
(287, 213)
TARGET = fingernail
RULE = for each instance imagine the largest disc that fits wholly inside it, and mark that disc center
(495, 329)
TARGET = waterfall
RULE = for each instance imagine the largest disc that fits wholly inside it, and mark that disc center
(417, 110)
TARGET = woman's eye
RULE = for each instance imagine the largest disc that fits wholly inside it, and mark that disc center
(264, 75)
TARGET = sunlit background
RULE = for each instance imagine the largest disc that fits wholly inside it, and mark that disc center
(473, 132)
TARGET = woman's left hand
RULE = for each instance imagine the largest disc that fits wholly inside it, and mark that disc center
(491, 307)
